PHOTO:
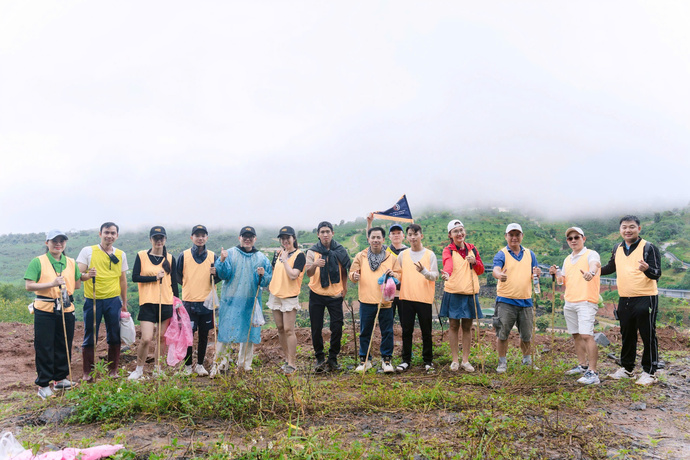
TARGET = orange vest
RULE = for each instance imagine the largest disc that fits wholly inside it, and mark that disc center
(577, 289)
(631, 281)
(519, 283)
(48, 275)
(332, 290)
(369, 287)
(196, 278)
(281, 285)
(463, 280)
(151, 292)
(413, 285)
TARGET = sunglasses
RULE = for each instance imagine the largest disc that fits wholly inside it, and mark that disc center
(573, 238)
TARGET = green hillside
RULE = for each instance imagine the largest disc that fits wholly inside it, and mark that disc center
(485, 229)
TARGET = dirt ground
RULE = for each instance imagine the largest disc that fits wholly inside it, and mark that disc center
(661, 427)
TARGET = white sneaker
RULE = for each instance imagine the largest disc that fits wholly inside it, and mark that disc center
(502, 367)
(429, 368)
(214, 371)
(187, 370)
(63, 384)
(387, 367)
(621, 373)
(527, 360)
(467, 367)
(45, 392)
(200, 370)
(590, 378)
(576, 370)
(454, 366)
(646, 379)
(136, 374)
(363, 367)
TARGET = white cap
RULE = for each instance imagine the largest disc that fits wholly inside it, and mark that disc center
(574, 229)
(513, 226)
(54, 234)
(454, 223)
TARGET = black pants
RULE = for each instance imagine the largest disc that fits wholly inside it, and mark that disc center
(422, 311)
(639, 314)
(49, 343)
(202, 319)
(395, 306)
(317, 308)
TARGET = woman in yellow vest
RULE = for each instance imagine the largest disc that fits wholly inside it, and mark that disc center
(461, 269)
(283, 298)
(53, 277)
(154, 272)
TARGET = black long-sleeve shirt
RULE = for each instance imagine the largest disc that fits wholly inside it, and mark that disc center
(652, 257)
(199, 257)
(138, 278)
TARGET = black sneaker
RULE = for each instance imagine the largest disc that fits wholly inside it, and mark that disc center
(321, 366)
(333, 364)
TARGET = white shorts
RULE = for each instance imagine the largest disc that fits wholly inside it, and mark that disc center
(289, 304)
(580, 317)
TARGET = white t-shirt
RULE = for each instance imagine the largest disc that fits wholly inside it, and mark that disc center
(84, 257)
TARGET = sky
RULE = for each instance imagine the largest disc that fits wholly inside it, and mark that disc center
(273, 113)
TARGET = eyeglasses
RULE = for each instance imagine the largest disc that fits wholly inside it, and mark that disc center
(573, 238)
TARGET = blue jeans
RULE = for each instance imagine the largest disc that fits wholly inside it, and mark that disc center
(367, 314)
(109, 310)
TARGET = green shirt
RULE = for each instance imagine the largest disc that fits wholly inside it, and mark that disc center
(33, 271)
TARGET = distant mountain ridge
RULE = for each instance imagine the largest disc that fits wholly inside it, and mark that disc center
(485, 228)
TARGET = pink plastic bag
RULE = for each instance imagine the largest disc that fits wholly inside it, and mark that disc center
(388, 290)
(179, 334)
(92, 453)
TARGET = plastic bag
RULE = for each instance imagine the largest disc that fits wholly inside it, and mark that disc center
(258, 316)
(128, 333)
(388, 290)
(178, 336)
(9, 446)
(211, 300)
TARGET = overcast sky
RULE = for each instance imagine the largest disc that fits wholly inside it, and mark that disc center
(288, 113)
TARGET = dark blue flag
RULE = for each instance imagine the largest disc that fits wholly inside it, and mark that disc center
(399, 212)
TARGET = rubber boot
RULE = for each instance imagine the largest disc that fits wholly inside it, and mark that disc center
(113, 360)
(87, 358)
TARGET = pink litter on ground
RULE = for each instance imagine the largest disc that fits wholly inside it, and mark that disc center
(179, 334)
(91, 453)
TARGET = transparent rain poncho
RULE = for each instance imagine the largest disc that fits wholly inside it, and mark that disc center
(240, 282)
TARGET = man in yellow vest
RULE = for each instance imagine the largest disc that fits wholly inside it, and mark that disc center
(638, 266)
(419, 271)
(195, 267)
(396, 237)
(580, 275)
(370, 270)
(514, 267)
(327, 266)
(106, 267)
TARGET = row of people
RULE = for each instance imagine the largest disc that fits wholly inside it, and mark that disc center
(244, 271)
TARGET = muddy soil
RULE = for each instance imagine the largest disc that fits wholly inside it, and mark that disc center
(658, 423)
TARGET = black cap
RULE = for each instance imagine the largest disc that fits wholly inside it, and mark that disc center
(157, 231)
(247, 229)
(199, 228)
(286, 231)
(324, 224)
